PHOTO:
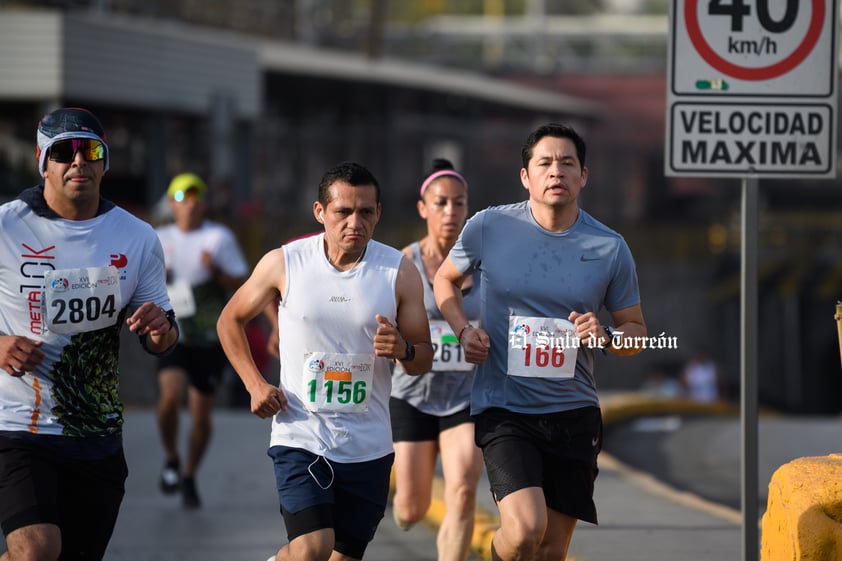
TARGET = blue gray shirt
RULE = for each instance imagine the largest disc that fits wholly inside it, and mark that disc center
(531, 280)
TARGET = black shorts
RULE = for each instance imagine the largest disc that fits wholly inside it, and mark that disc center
(411, 425)
(316, 493)
(82, 497)
(555, 451)
(204, 365)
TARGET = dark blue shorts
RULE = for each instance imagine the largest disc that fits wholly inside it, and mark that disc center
(357, 494)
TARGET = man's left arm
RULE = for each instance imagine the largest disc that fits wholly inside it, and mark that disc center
(409, 342)
(629, 331)
(153, 320)
(227, 264)
(226, 261)
(156, 328)
(623, 338)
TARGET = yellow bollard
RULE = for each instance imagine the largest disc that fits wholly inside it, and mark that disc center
(803, 518)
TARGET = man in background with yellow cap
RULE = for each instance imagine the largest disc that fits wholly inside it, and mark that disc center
(204, 266)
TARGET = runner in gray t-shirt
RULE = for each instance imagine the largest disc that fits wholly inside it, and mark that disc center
(547, 269)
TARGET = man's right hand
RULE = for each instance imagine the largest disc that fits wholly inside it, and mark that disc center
(475, 343)
(267, 400)
(19, 355)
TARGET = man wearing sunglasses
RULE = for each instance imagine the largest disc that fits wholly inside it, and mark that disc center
(73, 268)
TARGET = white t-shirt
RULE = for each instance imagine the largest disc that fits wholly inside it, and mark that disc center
(196, 297)
(70, 284)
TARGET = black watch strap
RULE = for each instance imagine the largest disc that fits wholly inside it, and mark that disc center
(611, 332)
(170, 315)
(410, 353)
(614, 336)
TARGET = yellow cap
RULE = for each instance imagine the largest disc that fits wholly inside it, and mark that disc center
(184, 182)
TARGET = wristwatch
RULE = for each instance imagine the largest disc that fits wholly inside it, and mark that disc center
(611, 333)
(410, 352)
(170, 315)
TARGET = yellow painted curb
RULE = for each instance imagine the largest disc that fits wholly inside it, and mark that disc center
(622, 407)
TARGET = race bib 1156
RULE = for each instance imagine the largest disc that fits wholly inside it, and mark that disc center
(337, 381)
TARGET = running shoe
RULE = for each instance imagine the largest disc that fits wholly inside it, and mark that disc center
(189, 496)
(170, 477)
(403, 525)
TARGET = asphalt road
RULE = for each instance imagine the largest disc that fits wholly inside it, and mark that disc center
(703, 455)
(697, 455)
(239, 518)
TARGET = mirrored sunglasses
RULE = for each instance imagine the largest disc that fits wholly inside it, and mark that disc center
(64, 151)
(189, 193)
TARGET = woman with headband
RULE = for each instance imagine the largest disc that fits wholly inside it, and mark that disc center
(431, 413)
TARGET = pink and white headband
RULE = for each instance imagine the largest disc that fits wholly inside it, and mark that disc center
(440, 173)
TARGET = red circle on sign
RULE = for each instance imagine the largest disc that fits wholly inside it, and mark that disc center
(691, 19)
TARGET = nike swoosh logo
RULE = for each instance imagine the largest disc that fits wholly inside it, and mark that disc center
(589, 257)
(595, 441)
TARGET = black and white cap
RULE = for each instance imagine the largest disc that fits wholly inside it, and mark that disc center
(64, 123)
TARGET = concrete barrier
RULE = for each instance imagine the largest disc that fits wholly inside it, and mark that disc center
(803, 519)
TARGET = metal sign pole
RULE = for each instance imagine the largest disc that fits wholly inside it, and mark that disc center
(748, 368)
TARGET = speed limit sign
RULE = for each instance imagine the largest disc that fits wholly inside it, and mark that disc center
(752, 88)
(759, 47)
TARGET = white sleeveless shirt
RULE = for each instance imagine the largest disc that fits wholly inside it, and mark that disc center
(338, 391)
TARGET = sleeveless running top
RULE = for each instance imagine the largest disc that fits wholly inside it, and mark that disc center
(338, 391)
(447, 388)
